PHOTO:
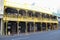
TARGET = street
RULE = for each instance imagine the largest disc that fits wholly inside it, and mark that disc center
(48, 35)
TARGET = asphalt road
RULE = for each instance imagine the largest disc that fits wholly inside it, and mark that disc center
(48, 35)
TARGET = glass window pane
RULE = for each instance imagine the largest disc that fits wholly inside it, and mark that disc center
(11, 10)
(30, 13)
(22, 12)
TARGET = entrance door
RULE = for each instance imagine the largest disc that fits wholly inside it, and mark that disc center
(30, 27)
(38, 26)
(12, 27)
(49, 26)
(22, 27)
(44, 26)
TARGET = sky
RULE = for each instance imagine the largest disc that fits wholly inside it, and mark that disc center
(48, 5)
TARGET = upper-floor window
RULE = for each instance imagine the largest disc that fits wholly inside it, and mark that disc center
(43, 15)
(54, 17)
(22, 12)
(51, 16)
(47, 16)
(29, 13)
(9, 10)
(37, 14)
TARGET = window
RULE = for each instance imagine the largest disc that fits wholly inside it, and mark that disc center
(47, 16)
(51, 16)
(55, 17)
(43, 15)
(9, 10)
(30, 13)
(37, 14)
(22, 12)
(40, 14)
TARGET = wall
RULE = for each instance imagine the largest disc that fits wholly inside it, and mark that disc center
(1, 6)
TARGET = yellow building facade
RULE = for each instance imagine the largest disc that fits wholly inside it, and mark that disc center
(21, 20)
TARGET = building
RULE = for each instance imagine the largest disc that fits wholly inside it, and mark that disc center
(17, 20)
(58, 22)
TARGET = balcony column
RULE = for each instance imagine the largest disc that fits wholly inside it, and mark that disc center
(34, 27)
(18, 22)
(46, 27)
(18, 27)
(26, 28)
(41, 26)
(57, 26)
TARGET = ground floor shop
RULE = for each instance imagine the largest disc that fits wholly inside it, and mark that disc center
(17, 27)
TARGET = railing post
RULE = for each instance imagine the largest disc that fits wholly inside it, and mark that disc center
(41, 26)
(46, 27)
(26, 28)
(34, 26)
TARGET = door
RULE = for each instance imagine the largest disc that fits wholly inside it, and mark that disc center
(12, 27)
(22, 27)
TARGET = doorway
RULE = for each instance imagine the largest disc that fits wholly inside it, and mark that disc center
(12, 27)
(44, 26)
(38, 26)
(22, 27)
(30, 27)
